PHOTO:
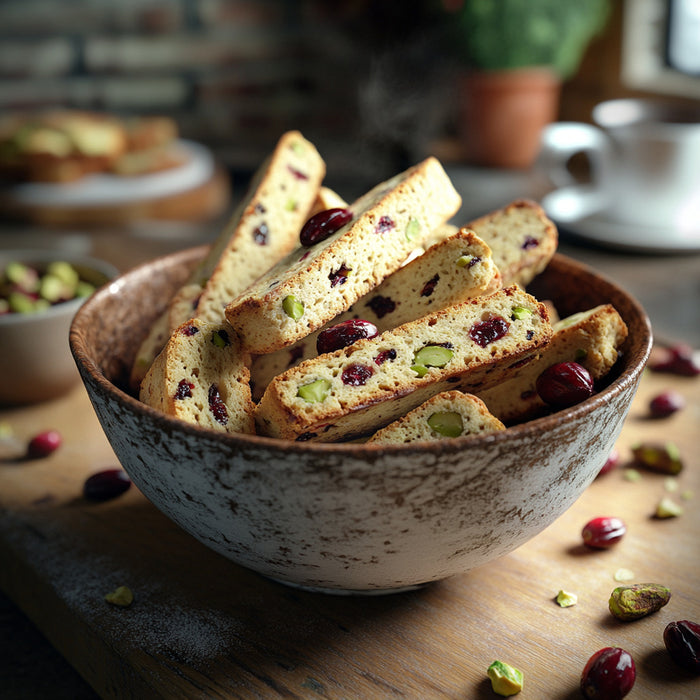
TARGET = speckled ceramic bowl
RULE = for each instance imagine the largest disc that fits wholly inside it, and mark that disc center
(352, 517)
(35, 361)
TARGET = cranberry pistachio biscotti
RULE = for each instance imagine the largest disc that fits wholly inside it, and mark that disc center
(447, 273)
(316, 283)
(202, 377)
(263, 229)
(592, 338)
(449, 414)
(361, 388)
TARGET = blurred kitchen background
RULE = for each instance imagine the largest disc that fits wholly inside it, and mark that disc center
(376, 84)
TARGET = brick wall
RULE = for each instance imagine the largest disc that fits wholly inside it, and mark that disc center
(350, 74)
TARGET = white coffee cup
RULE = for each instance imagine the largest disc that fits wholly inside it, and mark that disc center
(644, 160)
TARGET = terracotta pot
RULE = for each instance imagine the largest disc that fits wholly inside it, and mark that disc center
(502, 114)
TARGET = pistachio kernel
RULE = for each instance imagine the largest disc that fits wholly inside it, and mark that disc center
(464, 260)
(412, 229)
(638, 600)
(623, 575)
(520, 313)
(505, 680)
(447, 423)
(293, 307)
(420, 370)
(220, 338)
(121, 596)
(314, 392)
(668, 508)
(665, 458)
(565, 599)
(433, 356)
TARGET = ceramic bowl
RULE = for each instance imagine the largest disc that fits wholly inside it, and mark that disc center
(352, 517)
(35, 360)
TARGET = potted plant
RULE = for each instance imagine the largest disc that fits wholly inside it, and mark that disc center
(517, 54)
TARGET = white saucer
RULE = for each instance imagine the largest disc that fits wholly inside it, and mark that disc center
(567, 207)
(109, 190)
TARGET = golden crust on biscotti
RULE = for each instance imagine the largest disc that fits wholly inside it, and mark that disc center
(592, 338)
(201, 376)
(447, 273)
(521, 237)
(363, 387)
(313, 285)
(447, 415)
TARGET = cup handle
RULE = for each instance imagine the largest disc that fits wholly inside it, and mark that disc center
(562, 140)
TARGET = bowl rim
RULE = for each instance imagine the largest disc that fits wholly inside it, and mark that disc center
(540, 425)
(45, 256)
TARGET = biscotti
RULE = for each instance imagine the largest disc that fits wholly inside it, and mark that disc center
(447, 273)
(592, 338)
(315, 284)
(522, 240)
(263, 229)
(363, 387)
(449, 414)
(202, 377)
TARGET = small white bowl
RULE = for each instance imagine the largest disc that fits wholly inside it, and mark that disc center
(35, 359)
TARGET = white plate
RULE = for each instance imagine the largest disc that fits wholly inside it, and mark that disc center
(109, 190)
(567, 207)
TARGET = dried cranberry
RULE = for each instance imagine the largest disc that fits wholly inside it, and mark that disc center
(386, 223)
(529, 243)
(665, 404)
(429, 286)
(677, 359)
(297, 173)
(611, 462)
(260, 234)
(608, 675)
(564, 384)
(603, 532)
(485, 332)
(343, 334)
(217, 406)
(189, 330)
(184, 389)
(385, 355)
(323, 224)
(106, 484)
(682, 640)
(381, 305)
(356, 374)
(340, 276)
(43, 444)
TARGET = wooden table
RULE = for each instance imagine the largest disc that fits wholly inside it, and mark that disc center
(201, 626)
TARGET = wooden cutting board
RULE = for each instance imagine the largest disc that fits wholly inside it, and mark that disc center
(203, 627)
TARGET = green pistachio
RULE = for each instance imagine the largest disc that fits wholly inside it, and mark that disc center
(412, 229)
(659, 458)
(220, 338)
(293, 307)
(63, 271)
(464, 260)
(433, 356)
(420, 370)
(122, 597)
(505, 680)
(447, 423)
(520, 312)
(314, 392)
(637, 600)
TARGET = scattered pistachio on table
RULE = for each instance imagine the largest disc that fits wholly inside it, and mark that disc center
(668, 508)
(505, 680)
(638, 600)
(121, 597)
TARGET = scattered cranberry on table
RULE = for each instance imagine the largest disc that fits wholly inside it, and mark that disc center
(608, 675)
(105, 485)
(564, 384)
(666, 403)
(43, 444)
(678, 359)
(682, 640)
(603, 532)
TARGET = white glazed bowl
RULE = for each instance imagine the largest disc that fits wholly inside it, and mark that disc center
(35, 360)
(352, 517)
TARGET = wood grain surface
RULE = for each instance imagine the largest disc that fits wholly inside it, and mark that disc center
(202, 627)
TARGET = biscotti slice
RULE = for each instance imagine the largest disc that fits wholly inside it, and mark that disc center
(522, 240)
(361, 388)
(315, 284)
(262, 230)
(450, 414)
(265, 227)
(447, 273)
(201, 377)
(592, 338)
